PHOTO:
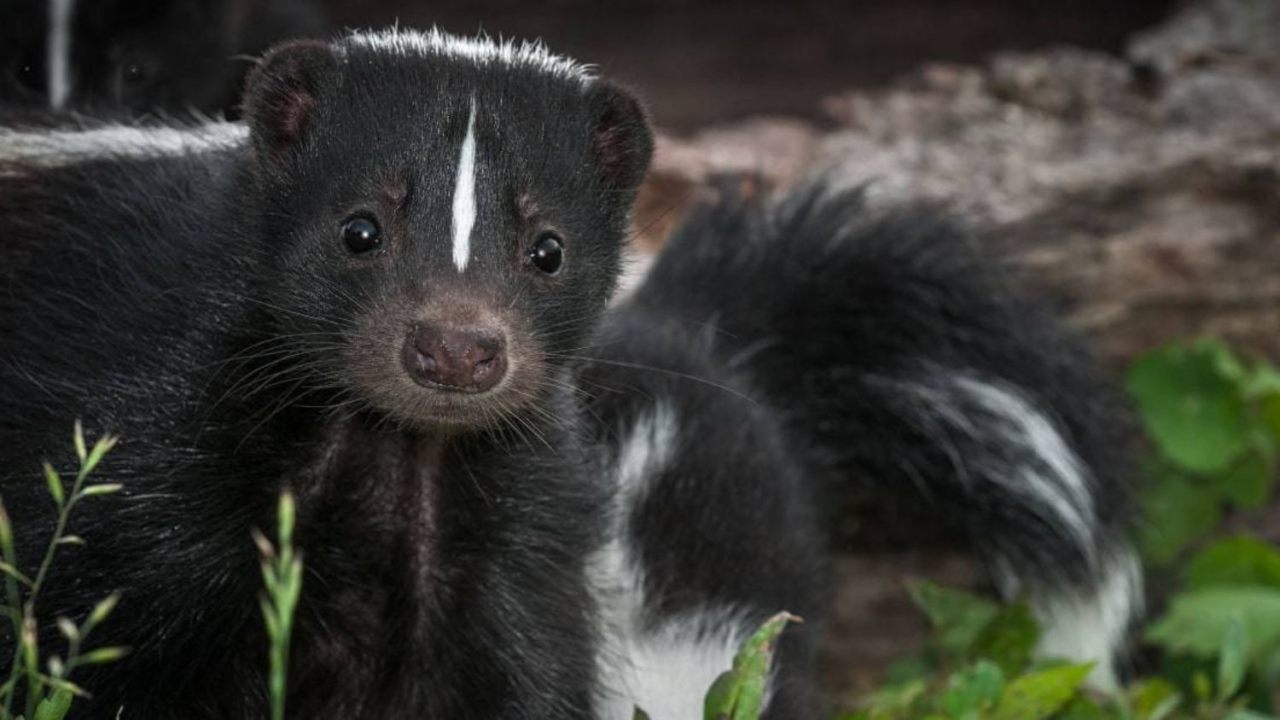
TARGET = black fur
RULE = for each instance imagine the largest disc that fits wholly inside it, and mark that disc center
(204, 307)
(811, 347)
(457, 548)
(139, 57)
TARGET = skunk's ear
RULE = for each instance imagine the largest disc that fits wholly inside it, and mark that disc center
(282, 92)
(622, 140)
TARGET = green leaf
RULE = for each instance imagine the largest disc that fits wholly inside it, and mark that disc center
(1269, 409)
(970, 692)
(102, 655)
(1008, 638)
(1083, 707)
(957, 617)
(6, 531)
(100, 449)
(1154, 699)
(1233, 660)
(1240, 560)
(1039, 695)
(1201, 686)
(78, 438)
(1248, 482)
(102, 489)
(892, 701)
(1177, 511)
(15, 573)
(54, 482)
(54, 707)
(741, 695)
(1192, 405)
(102, 610)
(1264, 382)
(639, 715)
(286, 515)
(1196, 622)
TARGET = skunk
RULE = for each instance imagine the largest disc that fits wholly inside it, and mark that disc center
(798, 348)
(387, 292)
(138, 57)
(369, 298)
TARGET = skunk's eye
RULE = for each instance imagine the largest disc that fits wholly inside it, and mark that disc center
(548, 253)
(361, 234)
(133, 73)
(29, 72)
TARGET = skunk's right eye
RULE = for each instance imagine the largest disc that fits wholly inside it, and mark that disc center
(29, 72)
(361, 234)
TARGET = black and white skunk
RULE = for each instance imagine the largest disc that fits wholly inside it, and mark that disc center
(368, 300)
(138, 57)
(795, 348)
(386, 294)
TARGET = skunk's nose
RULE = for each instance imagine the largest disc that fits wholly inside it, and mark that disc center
(467, 359)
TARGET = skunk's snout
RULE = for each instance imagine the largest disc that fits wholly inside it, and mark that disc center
(463, 359)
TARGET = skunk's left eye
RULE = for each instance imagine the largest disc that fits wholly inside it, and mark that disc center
(133, 73)
(29, 72)
(548, 253)
(361, 234)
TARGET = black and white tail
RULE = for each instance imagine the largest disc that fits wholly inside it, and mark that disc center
(897, 360)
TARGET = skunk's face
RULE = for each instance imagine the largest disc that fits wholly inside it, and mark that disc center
(450, 230)
(115, 54)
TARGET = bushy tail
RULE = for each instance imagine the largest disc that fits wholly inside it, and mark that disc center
(902, 362)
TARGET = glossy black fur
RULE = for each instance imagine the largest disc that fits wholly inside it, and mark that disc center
(730, 527)
(823, 304)
(799, 336)
(204, 308)
(191, 54)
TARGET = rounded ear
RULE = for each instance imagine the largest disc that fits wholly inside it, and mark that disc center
(283, 91)
(622, 140)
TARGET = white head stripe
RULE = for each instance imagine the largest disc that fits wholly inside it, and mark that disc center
(464, 195)
(58, 48)
(479, 50)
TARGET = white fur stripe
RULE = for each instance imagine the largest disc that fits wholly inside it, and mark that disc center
(59, 53)
(1064, 488)
(661, 664)
(478, 50)
(464, 195)
(1092, 624)
(54, 148)
(1001, 425)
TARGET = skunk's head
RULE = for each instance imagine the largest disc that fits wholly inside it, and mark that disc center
(445, 215)
(116, 54)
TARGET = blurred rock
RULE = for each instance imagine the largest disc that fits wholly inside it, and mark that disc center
(1141, 192)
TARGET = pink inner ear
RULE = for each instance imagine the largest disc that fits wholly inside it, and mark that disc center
(613, 150)
(283, 92)
(622, 140)
(292, 114)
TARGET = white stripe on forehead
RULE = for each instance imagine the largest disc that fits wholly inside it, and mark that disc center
(58, 49)
(464, 195)
(480, 50)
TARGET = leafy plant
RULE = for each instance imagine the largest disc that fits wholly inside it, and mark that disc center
(978, 666)
(282, 575)
(1214, 421)
(49, 692)
(739, 693)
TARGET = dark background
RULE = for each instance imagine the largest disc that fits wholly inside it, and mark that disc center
(700, 63)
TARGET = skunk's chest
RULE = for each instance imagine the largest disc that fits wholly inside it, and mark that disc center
(442, 578)
(368, 531)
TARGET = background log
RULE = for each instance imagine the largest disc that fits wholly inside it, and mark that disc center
(1142, 191)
